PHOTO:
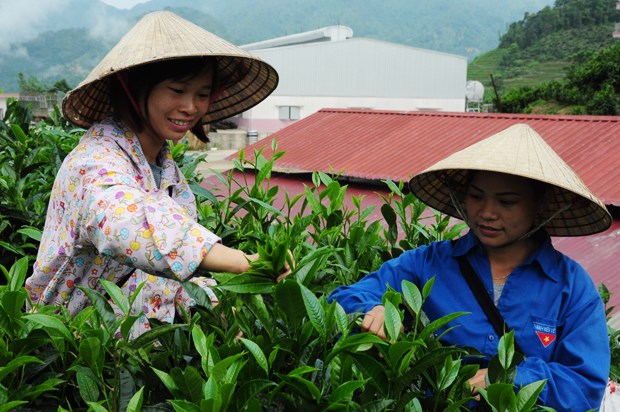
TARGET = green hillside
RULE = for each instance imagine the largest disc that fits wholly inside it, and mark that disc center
(531, 73)
(543, 46)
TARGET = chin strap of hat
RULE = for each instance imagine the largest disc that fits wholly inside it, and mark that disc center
(457, 206)
(122, 79)
(547, 220)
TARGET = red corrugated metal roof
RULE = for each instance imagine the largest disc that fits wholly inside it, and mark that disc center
(394, 145)
(599, 254)
(378, 145)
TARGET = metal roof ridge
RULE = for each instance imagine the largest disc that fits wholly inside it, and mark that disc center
(534, 116)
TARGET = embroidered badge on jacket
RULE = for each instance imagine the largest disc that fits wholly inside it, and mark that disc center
(545, 333)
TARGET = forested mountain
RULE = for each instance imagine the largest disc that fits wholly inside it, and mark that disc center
(67, 40)
(562, 59)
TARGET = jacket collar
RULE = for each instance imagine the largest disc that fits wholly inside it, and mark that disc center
(544, 256)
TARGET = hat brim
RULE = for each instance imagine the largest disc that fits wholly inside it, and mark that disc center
(244, 80)
(520, 151)
(583, 216)
(254, 80)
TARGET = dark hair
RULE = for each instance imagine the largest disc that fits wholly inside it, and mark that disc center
(140, 81)
(538, 188)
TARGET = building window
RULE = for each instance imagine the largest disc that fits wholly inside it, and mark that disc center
(289, 112)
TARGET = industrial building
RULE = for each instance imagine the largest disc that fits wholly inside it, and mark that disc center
(329, 68)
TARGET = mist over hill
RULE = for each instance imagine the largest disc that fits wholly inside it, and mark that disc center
(64, 39)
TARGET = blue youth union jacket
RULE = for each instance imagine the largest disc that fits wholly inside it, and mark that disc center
(550, 301)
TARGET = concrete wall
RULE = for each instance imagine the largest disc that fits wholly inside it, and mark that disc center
(233, 139)
(3, 102)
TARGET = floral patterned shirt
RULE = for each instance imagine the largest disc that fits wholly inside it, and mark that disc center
(108, 219)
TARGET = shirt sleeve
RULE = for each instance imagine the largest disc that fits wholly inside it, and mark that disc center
(145, 229)
(577, 375)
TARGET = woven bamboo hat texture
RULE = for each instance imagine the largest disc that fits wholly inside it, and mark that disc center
(518, 150)
(163, 35)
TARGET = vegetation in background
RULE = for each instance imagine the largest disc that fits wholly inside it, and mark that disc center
(543, 58)
(30, 157)
(296, 351)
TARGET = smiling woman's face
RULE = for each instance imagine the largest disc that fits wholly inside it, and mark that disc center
(173, 107)
(500, 207)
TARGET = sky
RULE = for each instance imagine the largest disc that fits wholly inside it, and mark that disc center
(36, 13)
(124, 4)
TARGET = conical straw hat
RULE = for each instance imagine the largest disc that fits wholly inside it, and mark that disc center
(520, 151)
(161, 36)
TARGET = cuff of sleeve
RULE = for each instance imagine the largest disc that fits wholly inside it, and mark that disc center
(197, 243)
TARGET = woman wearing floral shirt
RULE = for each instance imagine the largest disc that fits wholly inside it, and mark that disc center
(120, 208)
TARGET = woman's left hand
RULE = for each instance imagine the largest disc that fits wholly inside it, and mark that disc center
(478, 381)
(287, 267)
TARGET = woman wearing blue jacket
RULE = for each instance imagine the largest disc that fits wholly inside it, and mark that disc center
(514, 192)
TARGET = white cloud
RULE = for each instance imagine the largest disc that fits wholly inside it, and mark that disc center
(16, 13)
(124, 4)
(107, 30)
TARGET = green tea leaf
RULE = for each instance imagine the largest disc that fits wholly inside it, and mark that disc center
(32, 232)
(288, 297)
(314, 310)
(412, 296)
(244, 283)
(393, 322)
(87, 385)
(117, 295)
(50, 323)
(258, 354)
(185, 406)
(135, 404)
(16, 363)
(167, 380)
(92, 355)
(346, 390)
(528, 395)
(104, 309)
(17, 274)
(13, 304)
(249, 390)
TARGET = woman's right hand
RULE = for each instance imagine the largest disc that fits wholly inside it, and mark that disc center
(224, 259)
(373, 321)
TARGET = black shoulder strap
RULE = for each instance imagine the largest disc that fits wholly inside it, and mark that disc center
(476, 286)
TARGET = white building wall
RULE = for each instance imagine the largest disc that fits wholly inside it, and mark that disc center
(356, 73)
(366, 68)
(265, 117)
(4, 97)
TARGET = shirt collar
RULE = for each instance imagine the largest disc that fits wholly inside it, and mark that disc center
(129, 142)
(543, 256)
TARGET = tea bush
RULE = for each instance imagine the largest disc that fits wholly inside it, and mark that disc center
(267, 346)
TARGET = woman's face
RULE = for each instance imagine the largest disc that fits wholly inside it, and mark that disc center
(175, 106)
(500, 207)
